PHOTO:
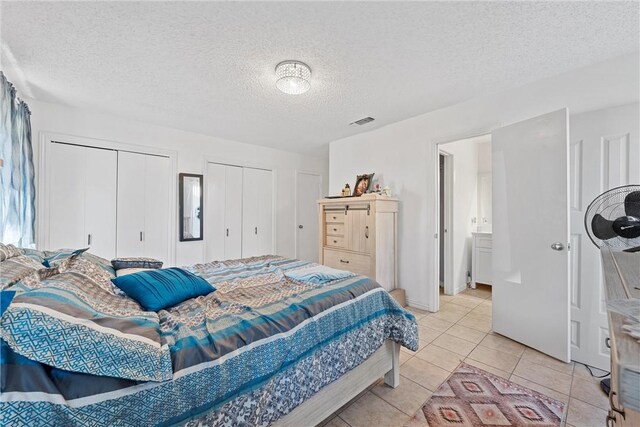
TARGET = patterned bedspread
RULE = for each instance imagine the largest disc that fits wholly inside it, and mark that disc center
(246, 354)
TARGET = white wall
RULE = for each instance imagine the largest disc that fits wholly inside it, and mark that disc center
(192, 150)
(464, 206)
(403, 153)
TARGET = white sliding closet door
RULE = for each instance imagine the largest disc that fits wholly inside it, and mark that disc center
(66, 197)
(223, 212)
(131, 204)
(233, 212)
(157, 211)
(265, 208)
(214, 223)
(257, 213)
(100, 201)
(82, 198)
(144, 186)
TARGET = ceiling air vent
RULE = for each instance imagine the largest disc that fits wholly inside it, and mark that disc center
(362, 121)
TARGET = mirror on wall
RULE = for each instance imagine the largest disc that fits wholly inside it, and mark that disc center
(191, 227)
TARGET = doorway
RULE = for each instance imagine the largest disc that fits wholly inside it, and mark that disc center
(464, 214)
(308, 192)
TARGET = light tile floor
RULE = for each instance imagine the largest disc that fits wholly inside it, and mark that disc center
(461, 331)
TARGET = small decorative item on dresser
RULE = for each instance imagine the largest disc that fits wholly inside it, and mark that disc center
(363, 182)
(346, 191)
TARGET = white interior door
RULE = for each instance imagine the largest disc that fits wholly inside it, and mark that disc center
(530, 214)
(605, 153)
(307, 195)
(101, 175)
(233, 212)
(131, 204)
(157, 207)
(214, 223)
(66, 196)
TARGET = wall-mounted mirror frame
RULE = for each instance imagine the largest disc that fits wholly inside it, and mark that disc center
(191, 207)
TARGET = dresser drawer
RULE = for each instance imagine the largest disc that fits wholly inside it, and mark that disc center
(335, 241)
(483, 242)
(334, 217)
(335, 229)
(357, 263)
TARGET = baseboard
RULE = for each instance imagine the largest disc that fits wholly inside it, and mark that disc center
(456, 291)
(415, 304)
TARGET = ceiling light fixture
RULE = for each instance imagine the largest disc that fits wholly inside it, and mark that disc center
(293, 77)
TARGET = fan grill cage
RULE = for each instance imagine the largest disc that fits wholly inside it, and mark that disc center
(610, 205)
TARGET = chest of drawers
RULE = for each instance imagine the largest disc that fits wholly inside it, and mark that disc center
(359, 234)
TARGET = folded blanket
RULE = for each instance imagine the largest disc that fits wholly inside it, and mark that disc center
(317, 274)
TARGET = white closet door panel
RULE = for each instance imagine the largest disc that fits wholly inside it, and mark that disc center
(66, 196)
(265, 212)
(100, 200)
(251, 186)
(157, 207)
(233, 212)
(214, 224)
(131, 204)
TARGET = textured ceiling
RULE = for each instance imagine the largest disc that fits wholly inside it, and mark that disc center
(209, 67)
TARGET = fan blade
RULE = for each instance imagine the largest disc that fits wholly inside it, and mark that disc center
(627, 227)
(602, 228)
(632, 204)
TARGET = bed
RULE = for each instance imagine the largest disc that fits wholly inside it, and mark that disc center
(266, 347)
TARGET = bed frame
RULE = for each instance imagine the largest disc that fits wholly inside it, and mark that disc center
(385, 361)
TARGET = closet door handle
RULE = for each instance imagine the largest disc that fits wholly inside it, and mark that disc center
(256, 230)
(366, 232)
(227, 232)
(141, 236)
(89, 239)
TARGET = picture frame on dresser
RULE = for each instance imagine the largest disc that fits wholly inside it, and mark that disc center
(363, 184)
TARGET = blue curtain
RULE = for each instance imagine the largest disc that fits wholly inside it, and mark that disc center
(17, 175)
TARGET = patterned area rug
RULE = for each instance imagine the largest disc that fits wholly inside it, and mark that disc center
(473, 397)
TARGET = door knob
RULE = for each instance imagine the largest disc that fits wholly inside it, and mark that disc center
(300, 226)
(557, 246)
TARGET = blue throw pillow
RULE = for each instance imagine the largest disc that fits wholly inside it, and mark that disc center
(5, 300)
(158, 289)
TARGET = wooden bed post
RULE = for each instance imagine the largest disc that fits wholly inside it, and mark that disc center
(392, 378)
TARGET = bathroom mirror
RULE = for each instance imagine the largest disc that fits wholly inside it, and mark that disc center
(191, 227)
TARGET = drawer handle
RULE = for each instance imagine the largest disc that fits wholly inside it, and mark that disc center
(335, 229)
(344, 262)
(335, 217)
(613, 406)
(335, 241)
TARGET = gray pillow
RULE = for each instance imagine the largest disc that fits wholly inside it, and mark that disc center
(136, 262)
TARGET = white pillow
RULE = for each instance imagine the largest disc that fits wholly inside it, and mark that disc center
(125, 271)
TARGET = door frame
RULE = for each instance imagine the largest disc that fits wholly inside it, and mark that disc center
(434, 292)
(298, 172)
(449, 161)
